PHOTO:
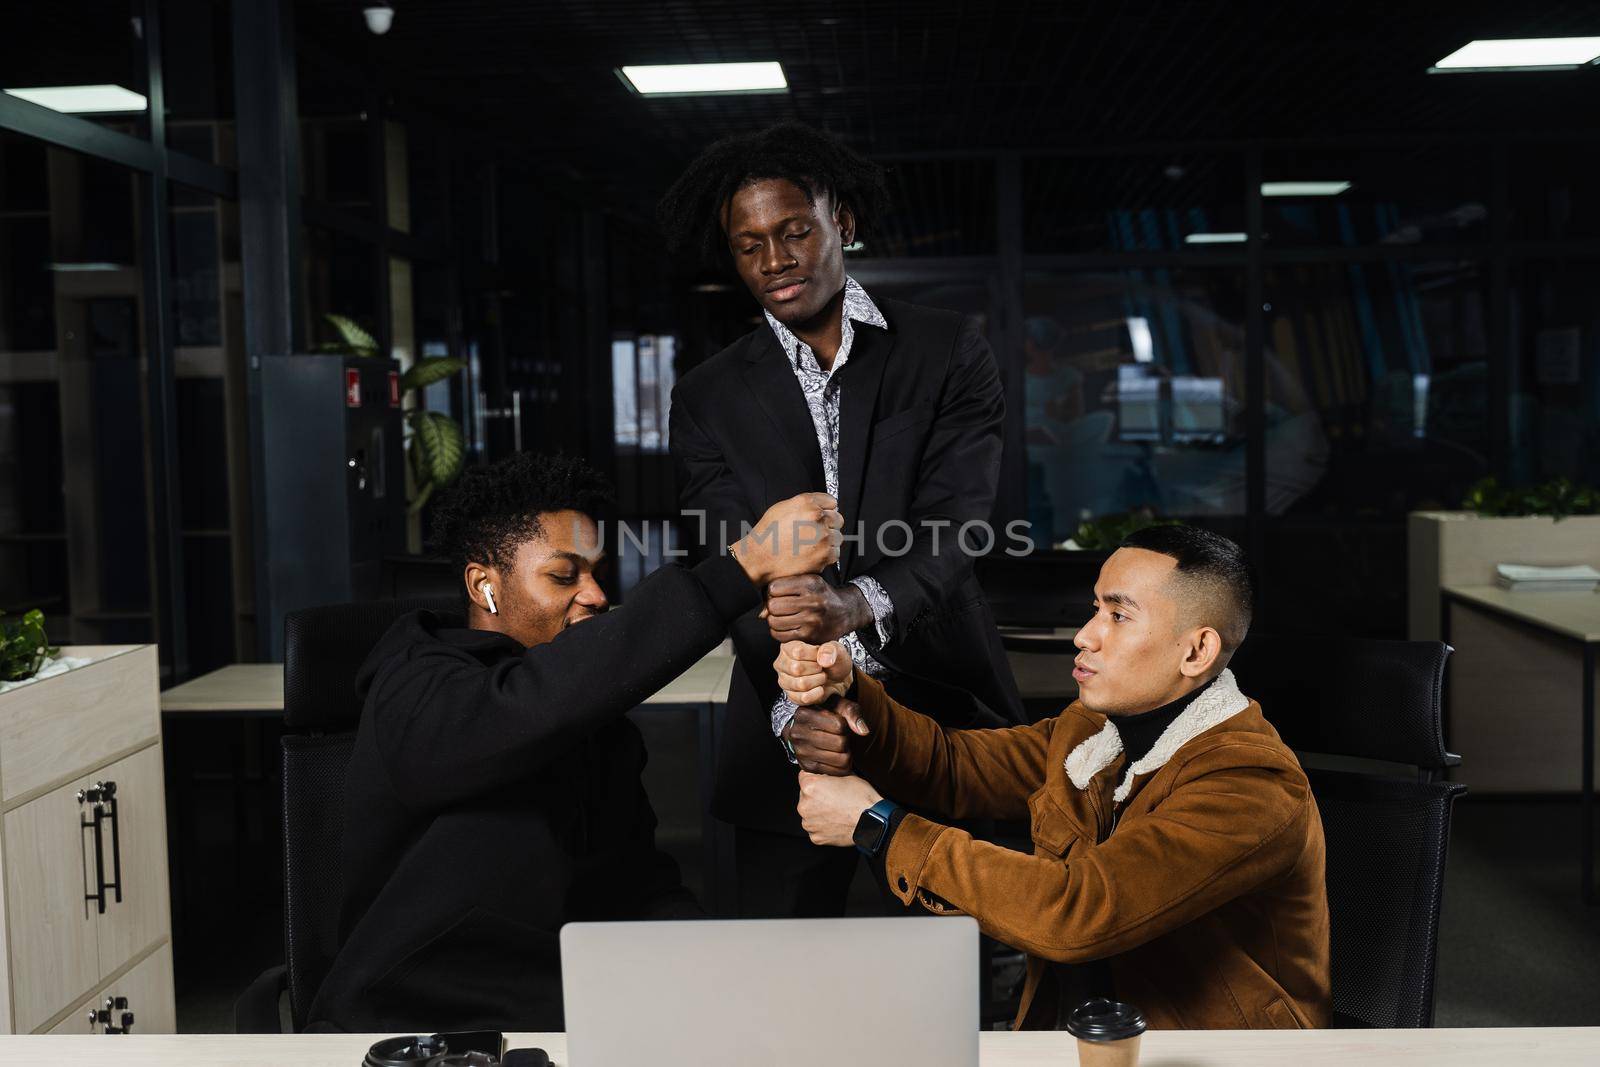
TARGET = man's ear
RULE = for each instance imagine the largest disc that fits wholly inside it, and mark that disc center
(845, 219)
(476, 576)
(1202, 653)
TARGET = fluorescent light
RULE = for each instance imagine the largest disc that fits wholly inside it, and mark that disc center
(82, 99)
(1303, 188)
(1527, 53)
(1144, 347)
(84, 268)
(691, 79)
(1216, 238)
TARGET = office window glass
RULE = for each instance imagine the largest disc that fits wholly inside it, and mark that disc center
(1146, 203)
(1395, 196)
(1555, 399)
(936, 208)
(213, 452)
(1377, 386)
(341, 277)
(197, 78)
(642, 376)
(73, 442)
(1553, 192)
(1133, 385)
(340, 142)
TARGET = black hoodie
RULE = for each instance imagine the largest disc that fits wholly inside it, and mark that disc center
(494, 794)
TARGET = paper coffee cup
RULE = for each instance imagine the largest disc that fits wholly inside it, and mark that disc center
(1108, 1033)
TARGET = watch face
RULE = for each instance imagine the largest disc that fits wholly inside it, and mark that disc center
(869, 832)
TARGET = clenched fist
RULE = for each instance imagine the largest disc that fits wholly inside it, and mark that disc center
(795, 536)
(830, 807)
(820, 737)
(807, 608)
(810, 674)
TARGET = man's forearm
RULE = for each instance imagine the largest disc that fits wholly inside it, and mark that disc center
(958, 773)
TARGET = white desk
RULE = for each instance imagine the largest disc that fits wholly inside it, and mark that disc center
(241, 687)
(1574, 617)
(1549, 1047)
(258, 687)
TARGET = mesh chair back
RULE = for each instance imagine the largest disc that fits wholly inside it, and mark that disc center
(324, 648)
(1370, 699)
(1387, 835)
(1387, 843)
(313, 830)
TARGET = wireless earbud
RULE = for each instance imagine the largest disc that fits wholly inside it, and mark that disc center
(488, 594)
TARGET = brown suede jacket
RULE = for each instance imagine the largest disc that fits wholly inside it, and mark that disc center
(1198, 872)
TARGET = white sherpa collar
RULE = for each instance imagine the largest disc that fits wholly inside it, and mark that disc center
(1218, 702)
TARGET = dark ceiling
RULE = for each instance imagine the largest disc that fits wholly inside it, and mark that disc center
(942, 76)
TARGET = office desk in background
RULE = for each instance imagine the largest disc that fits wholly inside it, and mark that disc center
(1510, 700)
(254, 691)
(1552, 1047)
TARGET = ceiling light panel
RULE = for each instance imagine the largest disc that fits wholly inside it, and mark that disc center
(1526, 53)
(1303, 187)
(702, 79)
(82, 99)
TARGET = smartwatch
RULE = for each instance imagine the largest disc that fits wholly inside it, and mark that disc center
(872, 829)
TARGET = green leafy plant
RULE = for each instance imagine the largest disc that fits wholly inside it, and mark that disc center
(23, 646)
(1106, 532)
(1558, 498)
(435, 446)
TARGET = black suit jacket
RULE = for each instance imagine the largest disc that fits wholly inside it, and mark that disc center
(919, 444)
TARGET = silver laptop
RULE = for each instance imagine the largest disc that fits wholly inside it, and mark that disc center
(779, 993)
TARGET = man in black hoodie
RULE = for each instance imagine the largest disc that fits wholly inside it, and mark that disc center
(494, 792)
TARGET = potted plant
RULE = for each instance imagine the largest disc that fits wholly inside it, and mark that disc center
(24, 648)
(435, 446)
(1554, 523)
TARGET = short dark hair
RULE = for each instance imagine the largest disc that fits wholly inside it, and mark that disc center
(491, 510)
(690, 214)
(1214, 569)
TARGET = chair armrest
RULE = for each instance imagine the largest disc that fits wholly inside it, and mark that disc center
(257, 1010)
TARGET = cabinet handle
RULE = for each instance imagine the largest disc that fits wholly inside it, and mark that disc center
(94, 822)
(109, 792)
(103, 795)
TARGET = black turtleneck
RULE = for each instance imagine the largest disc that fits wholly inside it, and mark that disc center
(1140, 732)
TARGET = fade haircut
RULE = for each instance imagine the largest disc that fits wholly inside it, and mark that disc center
(690, 214)
(1215, 587)
(492, 510)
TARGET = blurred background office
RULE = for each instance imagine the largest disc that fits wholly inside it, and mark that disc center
(1290, 272)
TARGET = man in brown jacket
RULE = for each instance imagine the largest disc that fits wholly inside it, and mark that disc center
(1175, 836)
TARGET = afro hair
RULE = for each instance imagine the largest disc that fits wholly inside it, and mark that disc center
(690, 214)
(491, 510)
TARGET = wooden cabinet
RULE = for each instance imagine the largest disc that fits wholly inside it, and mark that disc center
(145, 991)
(83, 846)
(54, 932)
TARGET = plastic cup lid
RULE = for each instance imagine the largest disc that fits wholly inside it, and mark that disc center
(1105, 1020)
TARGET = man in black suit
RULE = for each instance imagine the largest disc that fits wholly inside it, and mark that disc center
(893, 409)
(493, 792)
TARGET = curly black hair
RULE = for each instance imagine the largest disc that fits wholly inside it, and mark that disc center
(690, 214)
(493, 509)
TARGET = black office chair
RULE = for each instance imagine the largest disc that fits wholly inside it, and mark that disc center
(324, 648)
(1387, 833)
